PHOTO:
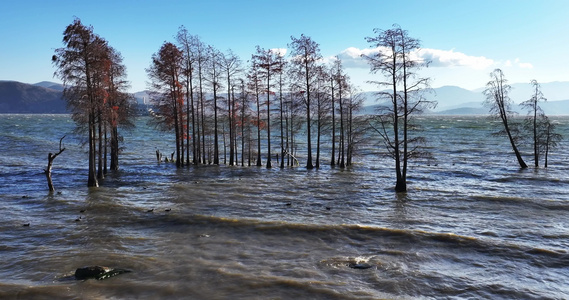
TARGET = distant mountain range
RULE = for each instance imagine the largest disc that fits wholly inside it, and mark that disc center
(46, 97)
(453, 100)
(23, 98)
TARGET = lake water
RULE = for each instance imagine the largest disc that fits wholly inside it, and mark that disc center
(472, 226)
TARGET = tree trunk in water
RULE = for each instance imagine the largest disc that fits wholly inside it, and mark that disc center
(215, 131)
(230, 99)
(282, 129)
(401, 185)
(318, 133)
(50, 158)
(258, 132)
(114, 149)
(269, 163)
(177, 132)
(341, 161)
(309, 164)
(243, 128)
(523, 165)
(48, 175)
(100, 174)
(535, 142)
(92, 178)
(105, 147)
(333, 162)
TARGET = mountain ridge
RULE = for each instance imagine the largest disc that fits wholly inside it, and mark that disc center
(17, 97)
(47, 97)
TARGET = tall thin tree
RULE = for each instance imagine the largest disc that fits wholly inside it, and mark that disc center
(404, 96)
(532, 119)
(305, 54)
(498, 100)
(269, 65)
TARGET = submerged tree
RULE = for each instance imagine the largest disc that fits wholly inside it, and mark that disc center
(92, 73)
(187, 44)
(404, 96)
(535, 113)
(356, 126)
(74, 63)
(119, 108)
(282, 120)
(497, 99)
(231, 65)
(547, 137)
(50, 158)
(341, 85)
(255, 82)
(269, 66)
(305, 54)
(544, 137)
(165, 75)
(214, 77)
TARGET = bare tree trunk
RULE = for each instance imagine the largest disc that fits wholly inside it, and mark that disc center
(215, 130)
(333, 160)
(230, 120)
(92, 178)
(100, 174)
(342, 136)
(521, 161)
(243, 125)
(105, 147)
(224, 144)
(258, 130)
(50, 158)
(318, 130)
(269, 163)
(282, 129)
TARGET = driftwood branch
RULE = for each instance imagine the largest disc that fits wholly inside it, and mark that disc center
(50, 158)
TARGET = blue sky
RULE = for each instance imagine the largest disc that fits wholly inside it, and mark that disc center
(465, 39)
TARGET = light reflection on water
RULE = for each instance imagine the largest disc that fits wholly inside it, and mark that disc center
(472, 224)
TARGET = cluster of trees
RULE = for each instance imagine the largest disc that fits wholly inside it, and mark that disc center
(211, 101)
(95, 89)
(536, 127)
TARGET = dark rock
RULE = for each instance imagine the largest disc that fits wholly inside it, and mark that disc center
(360, 266)
(97, 272)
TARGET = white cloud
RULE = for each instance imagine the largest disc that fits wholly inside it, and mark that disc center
(523, 65)
(517, 63)
(280, 51)
(450, 58)
(351, 58)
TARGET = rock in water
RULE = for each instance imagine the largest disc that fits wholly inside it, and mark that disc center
(97, 272)
(360, 266)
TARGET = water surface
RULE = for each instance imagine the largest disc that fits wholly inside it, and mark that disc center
(473, 225)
